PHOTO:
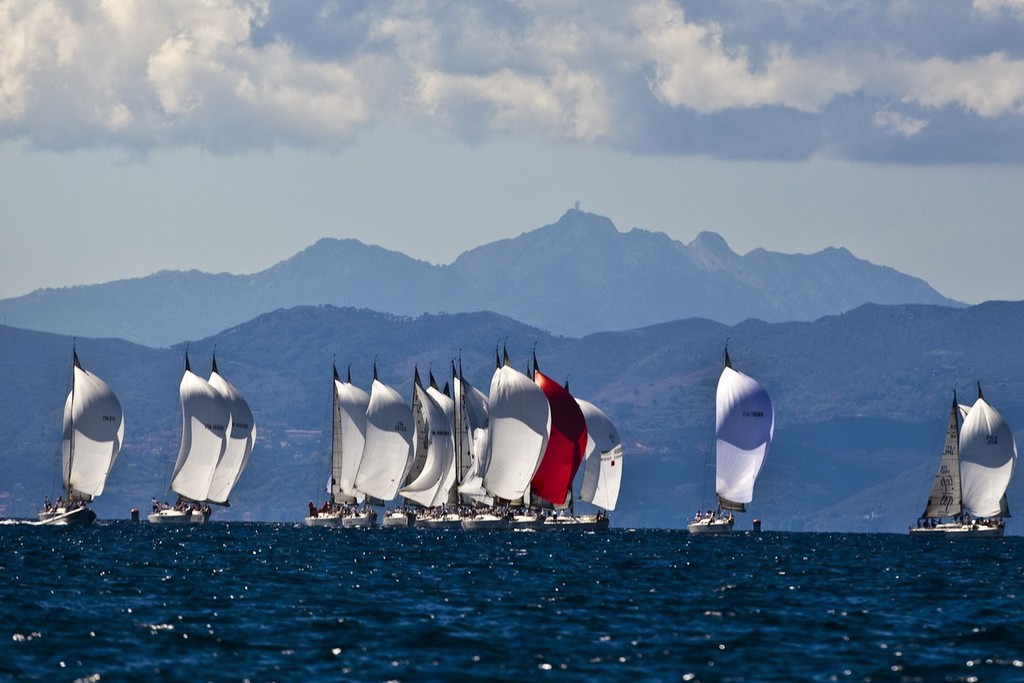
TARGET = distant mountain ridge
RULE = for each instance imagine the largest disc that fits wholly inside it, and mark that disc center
(577, 276)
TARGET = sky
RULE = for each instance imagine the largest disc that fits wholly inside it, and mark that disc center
(228, 135)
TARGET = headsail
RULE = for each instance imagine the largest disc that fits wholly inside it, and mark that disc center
(240, 441)
(92, 435)
(472, 423)
(205, 421)
(944, 500)
(348, 436)
(602, 473)
(987, 456)
(388, 446)
(744, 425)
(566, 444)
(434, 438)
(520, 421)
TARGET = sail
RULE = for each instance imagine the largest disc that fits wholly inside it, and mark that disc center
(388, 447)
(744, 425)
(944, 500)
(92, 435)
(446, 434)
(602, 473)
(520, 421)
(438, 451)
(566, 445)
(348, 436)
(987, 457)
(205, 421)
(472, 423)
(240, 441)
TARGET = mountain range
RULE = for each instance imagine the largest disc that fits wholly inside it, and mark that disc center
(577, 276)
(861, 402)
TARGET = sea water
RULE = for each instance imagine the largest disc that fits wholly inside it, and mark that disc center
(118, 601)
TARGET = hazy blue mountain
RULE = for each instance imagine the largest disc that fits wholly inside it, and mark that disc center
(861, 401)
(577, 276)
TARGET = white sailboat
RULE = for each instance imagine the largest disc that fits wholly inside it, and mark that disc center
(968, 498)
(348, 436)
(387, 450)
(205, 429)
(433, 454)
(744, 426)
(520, 422)
(93, 430)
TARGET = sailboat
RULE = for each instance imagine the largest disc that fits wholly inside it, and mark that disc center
(387, 450)
(744, 426)
(520, 421)
(968, 498)
(205, 430)
(563, 453)
(602, 471)
(241, 438)
(348, 436)
(428, 479)
(93, 430)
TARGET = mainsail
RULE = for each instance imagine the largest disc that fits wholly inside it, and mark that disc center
(602, 473)
(240, 439)
(566, 444)
(520, 421)
(348, 437)
(388, 446)
(944, 500)
(205, 424)
(744, 425)
(987, 456)
(92, 434)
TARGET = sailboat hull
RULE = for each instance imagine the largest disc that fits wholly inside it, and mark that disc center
(451, 520)
(485, 522)
(173, 516)
(581, 522)
(526, 522)
(954, 530)
(63, 517)
(711, 526)
(399, 520)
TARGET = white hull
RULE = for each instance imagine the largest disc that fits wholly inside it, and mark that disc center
(332, 519)
(526, 522)
(583, 522)
(451, 520)
(955, 530)
(711, 526)
(79, 516)
(399, 520)
(484, 522)
(348, 519)
(172, 516)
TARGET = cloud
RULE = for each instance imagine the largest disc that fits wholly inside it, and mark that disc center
(652, 76)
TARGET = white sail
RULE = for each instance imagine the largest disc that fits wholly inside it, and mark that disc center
(602, 473)
(438, 447)
(240, 441)
(744, 425)
(520, 421)
(206, 419)
(987, 457)
(388, 447)
(92, 434)
(447, 404)
(473, 424)
(348, 438)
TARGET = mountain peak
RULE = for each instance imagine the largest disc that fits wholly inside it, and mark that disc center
(711, 251)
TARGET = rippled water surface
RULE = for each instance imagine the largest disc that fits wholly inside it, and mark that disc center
(268, 602)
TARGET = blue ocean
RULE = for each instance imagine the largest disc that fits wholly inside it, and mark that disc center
(119, 601)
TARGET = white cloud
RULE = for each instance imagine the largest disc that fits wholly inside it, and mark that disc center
(222, 75)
